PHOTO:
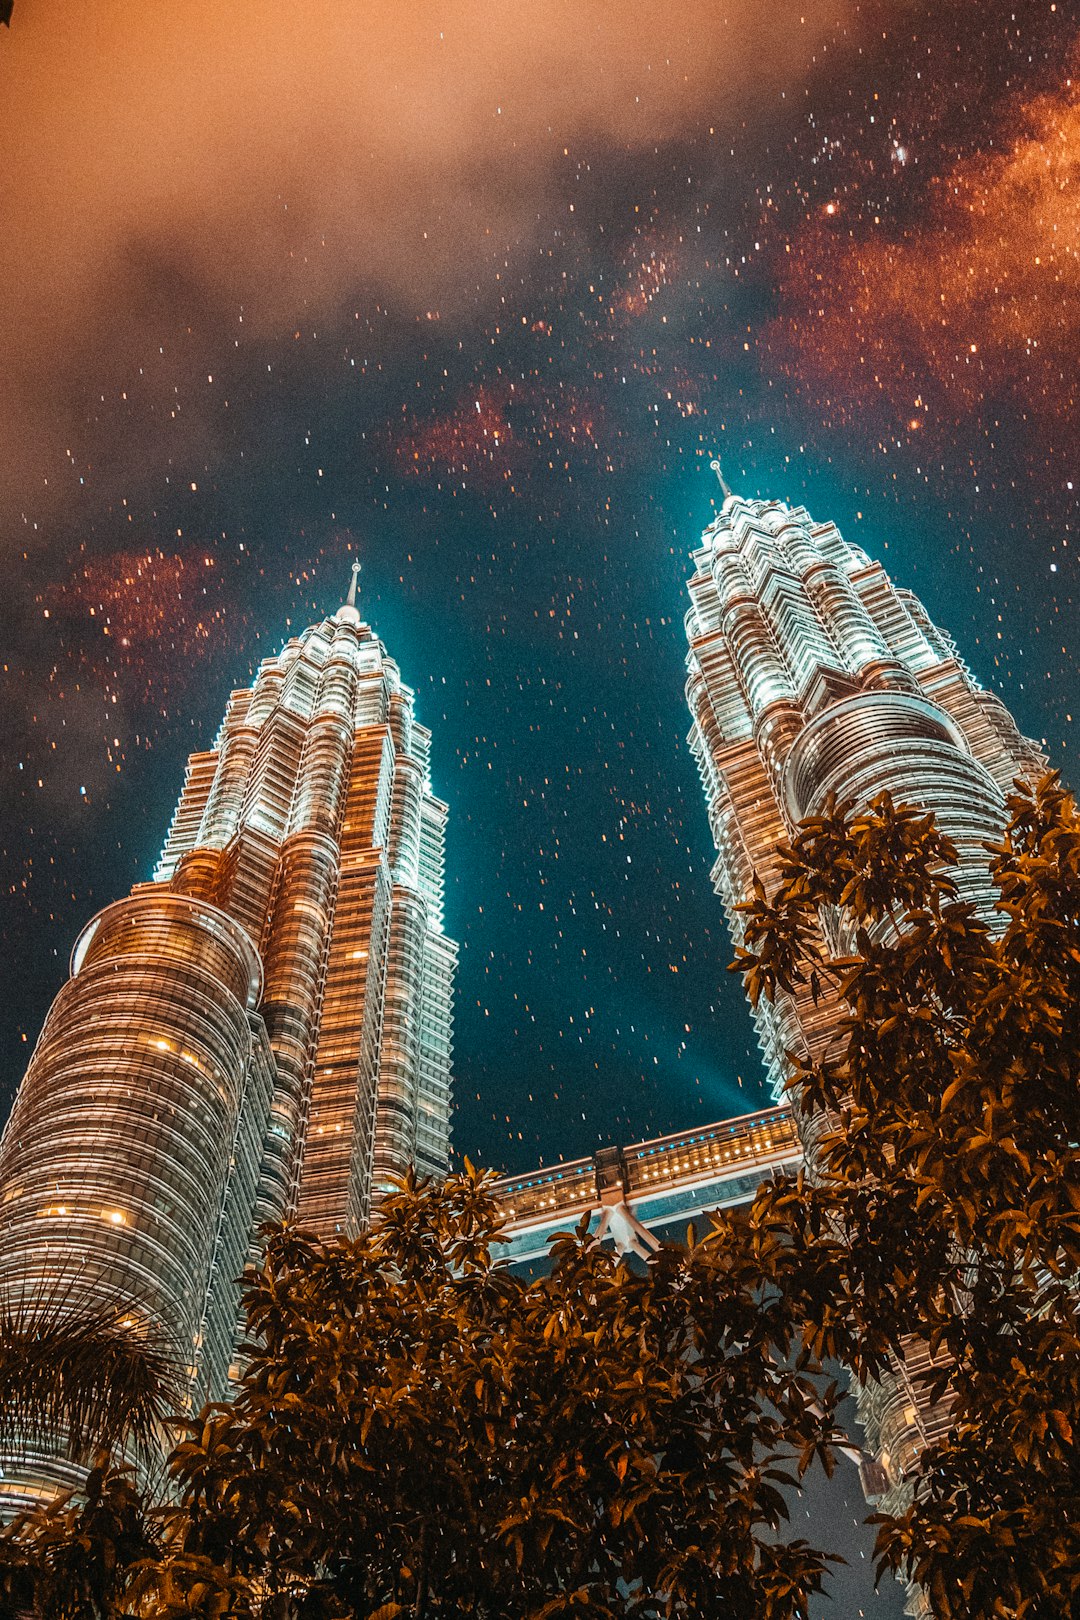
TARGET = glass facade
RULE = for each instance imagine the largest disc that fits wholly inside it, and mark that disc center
(264, 1030)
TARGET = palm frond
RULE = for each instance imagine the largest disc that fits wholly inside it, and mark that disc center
(78, 1375)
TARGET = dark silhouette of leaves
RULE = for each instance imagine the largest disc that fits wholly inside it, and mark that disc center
(81, 1378)
(944, 1199)
(419, 1432)
(418, 1427)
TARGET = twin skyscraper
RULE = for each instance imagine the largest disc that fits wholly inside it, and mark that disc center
(264, 1030)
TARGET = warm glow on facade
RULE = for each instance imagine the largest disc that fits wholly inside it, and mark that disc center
(811, 673)
(264, 1030)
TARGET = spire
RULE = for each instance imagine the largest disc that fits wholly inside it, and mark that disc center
(719, 471)
(348, 612)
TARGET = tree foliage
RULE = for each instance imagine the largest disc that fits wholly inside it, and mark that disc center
(74, 1560)
(88, 1377)
(420, 1432)
(945, 1199)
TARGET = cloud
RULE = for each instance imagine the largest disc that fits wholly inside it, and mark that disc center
(142, 621)
(979, 302)
(494, 434)
(175, 159)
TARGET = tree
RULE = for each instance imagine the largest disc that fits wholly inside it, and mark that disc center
(76, 1379)
(74, 1559)
(945, 1195)
(419, 1432)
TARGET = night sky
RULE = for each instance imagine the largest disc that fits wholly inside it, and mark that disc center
(474, 292)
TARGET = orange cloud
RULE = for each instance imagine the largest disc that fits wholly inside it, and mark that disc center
(282, 157)
(979, 301)
(145, 619)
(494, 434)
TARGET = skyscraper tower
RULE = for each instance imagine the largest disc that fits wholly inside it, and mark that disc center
(264, 1029)
(811, 673)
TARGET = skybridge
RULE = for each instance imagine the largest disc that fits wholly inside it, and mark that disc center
(638, 1195)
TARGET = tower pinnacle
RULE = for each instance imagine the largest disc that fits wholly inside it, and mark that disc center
(719, 471)
(349, 613)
